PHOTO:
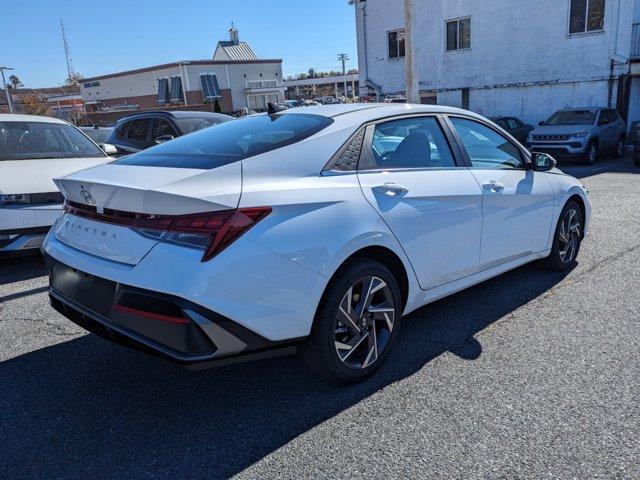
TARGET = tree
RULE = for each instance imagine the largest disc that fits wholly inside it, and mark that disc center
(32, 104)
(311, 73)
(73, 79)
(14, 82)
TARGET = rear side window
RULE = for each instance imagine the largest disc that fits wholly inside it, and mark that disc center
(410, 143)
(193, 124)
(230, 142)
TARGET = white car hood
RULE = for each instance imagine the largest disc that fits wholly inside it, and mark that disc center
(36, 176)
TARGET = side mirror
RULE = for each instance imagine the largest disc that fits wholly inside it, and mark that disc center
(541, 123)
(542, 162)
(164, 138)
(604, 121)
(109, 149)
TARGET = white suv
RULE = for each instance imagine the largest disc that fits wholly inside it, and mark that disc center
(33, 150)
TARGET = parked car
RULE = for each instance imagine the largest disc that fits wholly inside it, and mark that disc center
(313, 229)
(146, 129)
(292, 103)
(582, 133)
(33, 150)
(97, 134)
(517, 128)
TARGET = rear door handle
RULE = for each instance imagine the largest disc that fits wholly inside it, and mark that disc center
(390, 189)
(493, 186)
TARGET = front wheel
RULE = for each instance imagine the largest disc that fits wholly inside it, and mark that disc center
(591, 154)
(356, 323)
(619, 148)
(567, 238)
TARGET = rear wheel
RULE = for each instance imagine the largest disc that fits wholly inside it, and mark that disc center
(567, 238)
(591, 154)
(619, 148)
(356, 323)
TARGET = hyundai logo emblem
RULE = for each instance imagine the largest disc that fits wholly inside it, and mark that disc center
(87, 197)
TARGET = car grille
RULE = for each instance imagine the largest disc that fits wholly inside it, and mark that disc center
(554, 137)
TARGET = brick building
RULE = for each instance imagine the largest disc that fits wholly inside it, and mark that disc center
(234, 78)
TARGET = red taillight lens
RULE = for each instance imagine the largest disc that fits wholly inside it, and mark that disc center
(212, 230)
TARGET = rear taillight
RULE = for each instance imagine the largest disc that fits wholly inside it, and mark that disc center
(213, 231)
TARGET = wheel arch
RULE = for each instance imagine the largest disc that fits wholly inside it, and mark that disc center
(385, 256)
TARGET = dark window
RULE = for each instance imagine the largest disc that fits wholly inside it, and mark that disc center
(486, 147)
(512, 123)
(410, 143)
(458, 34)
(502, 122)
(139, 129)
(610, 115)
(230, 142)
(163, 91)
(193, 124)
(176, 90)
(33, 140)
(121, 130)
(396, 44)
(586, 16)
(210, 88)
(162, 128)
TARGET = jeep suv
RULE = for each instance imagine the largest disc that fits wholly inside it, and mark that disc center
(580, 133)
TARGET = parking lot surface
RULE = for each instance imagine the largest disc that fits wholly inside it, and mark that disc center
(531, 374)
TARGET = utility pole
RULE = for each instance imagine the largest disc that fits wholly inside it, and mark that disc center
(6, 90)
(343, 57)
(410, 57)
(67, 53)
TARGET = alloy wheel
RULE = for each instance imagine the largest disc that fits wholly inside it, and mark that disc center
(569, 236)
(592, 153)
(364, 322)
(620, 148)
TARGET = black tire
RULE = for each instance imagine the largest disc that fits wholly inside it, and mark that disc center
(320, 350)
(591, 154)
(636, 161)
(619, 148)
(555, 260)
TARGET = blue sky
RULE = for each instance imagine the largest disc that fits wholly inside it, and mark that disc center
(117, 35)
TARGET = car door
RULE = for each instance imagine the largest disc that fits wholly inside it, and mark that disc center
(430, 201)
(517, 202)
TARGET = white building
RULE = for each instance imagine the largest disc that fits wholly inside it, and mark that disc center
(506, 57)
(235, 77)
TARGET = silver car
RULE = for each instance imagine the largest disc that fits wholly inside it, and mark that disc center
(582, 133)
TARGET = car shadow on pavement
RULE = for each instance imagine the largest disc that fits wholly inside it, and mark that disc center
(87, 408)
(18, 269)
(606, 165)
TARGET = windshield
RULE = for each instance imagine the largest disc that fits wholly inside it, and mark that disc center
(33, 140)
(193, 124)
(230, 141)
(573, 117)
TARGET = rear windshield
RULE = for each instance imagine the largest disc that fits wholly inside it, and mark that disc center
(33, 140)
(573, 117)
(193, 124)
(230, 142)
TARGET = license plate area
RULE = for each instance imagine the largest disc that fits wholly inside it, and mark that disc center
(93, 293)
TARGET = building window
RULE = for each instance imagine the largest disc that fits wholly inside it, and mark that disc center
(458, 34)
(396, 43)
(586, 16)
(259, 102)
(262, 83)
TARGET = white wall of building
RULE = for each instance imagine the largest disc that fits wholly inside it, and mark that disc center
(522, 61)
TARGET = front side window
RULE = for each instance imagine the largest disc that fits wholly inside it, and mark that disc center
(230, 141)
(458, 34)
(410, 143)
(573, 117)
(395, 41)
(163, 128)
(39, 140)
(610, 115)
(586, 16)
(486, 147)
(139, 129)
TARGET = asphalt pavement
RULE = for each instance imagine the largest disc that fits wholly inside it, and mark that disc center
(532, 374)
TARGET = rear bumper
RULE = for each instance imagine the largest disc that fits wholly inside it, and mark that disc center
(155, 323)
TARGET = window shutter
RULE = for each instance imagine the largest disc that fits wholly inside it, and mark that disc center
(163, 91)
(210, 88)
(176, 89)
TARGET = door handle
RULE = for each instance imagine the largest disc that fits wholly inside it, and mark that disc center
(493, 186)
(390, 189)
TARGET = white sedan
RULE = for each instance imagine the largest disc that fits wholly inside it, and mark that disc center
(311, 229)
(33, 150)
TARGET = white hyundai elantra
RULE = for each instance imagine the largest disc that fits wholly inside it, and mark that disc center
(312, 229)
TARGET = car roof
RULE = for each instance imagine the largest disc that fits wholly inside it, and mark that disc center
(176, 114)
(13, 117)
(364, 112)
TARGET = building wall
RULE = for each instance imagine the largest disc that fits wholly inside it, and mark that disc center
(142, 87)
(521, 62)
